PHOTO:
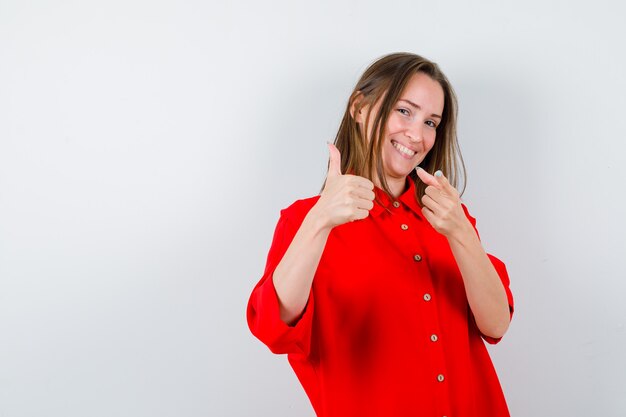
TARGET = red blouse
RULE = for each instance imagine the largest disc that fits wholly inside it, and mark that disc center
(387, 330)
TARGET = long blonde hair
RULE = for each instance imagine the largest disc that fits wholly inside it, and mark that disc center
(384, 81)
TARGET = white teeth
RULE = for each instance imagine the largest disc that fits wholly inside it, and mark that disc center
(403, 149)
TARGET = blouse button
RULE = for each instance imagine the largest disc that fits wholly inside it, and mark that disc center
(434, 338)
(427, 297)
(404, 227)
(417, 257)
(440, 378)
(396, 204)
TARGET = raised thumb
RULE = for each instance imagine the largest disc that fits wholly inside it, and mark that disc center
(334, 166)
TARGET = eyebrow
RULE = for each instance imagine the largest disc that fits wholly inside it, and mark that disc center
(418, 107)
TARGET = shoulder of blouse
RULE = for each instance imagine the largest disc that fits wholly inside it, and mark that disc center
(299, 208)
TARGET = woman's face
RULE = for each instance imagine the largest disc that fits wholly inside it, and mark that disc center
(411, 126)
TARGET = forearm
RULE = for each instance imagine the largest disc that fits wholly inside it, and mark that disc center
(294, 274)
(485, 293)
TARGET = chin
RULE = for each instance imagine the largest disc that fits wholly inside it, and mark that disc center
(404, 169)
(397, 174)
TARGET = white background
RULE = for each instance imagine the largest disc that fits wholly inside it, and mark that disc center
(146, 148)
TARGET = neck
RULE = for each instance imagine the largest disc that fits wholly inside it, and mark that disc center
(397, 186)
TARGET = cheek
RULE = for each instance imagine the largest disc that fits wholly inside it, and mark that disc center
(429, 140)
(394, 125)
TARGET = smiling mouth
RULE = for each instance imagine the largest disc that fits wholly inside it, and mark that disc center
(403, 149)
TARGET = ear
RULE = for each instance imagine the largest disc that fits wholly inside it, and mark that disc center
(357, 109)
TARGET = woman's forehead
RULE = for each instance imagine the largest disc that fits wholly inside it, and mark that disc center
(424, 92)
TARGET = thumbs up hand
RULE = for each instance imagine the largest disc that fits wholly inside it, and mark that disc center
(345, 198)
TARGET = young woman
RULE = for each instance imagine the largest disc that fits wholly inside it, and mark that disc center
(379, 289)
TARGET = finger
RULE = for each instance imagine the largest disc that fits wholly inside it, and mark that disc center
(334, 166)
(431, 204)
(364, 204)
(363, 193)
(434, 193)
(427, 178)
(361, 182)
(428, 213)
(445, 184)
(360, 214)
(441, 197)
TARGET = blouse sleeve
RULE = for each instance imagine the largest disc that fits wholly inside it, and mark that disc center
(263, 312)
(502, 273)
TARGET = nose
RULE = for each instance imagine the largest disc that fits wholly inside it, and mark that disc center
(415, 132)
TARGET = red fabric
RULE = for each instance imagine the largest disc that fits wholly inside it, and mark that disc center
(363, 345)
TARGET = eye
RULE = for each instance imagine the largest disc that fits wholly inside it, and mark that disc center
(404, 111)
(431, 124)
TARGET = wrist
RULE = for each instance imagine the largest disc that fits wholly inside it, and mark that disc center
(317, 221)
(463, 235)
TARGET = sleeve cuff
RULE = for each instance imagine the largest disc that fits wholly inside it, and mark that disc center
(265, 322)
(504, 277)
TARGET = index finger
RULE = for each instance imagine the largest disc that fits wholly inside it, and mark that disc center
(427, 178)
(362, 181)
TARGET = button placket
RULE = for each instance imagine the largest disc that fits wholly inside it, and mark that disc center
(435, 349)
(428, 310)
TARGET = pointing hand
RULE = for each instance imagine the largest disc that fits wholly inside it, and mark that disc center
(442, 204)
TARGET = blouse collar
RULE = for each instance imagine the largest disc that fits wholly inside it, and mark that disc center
(407, 198)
